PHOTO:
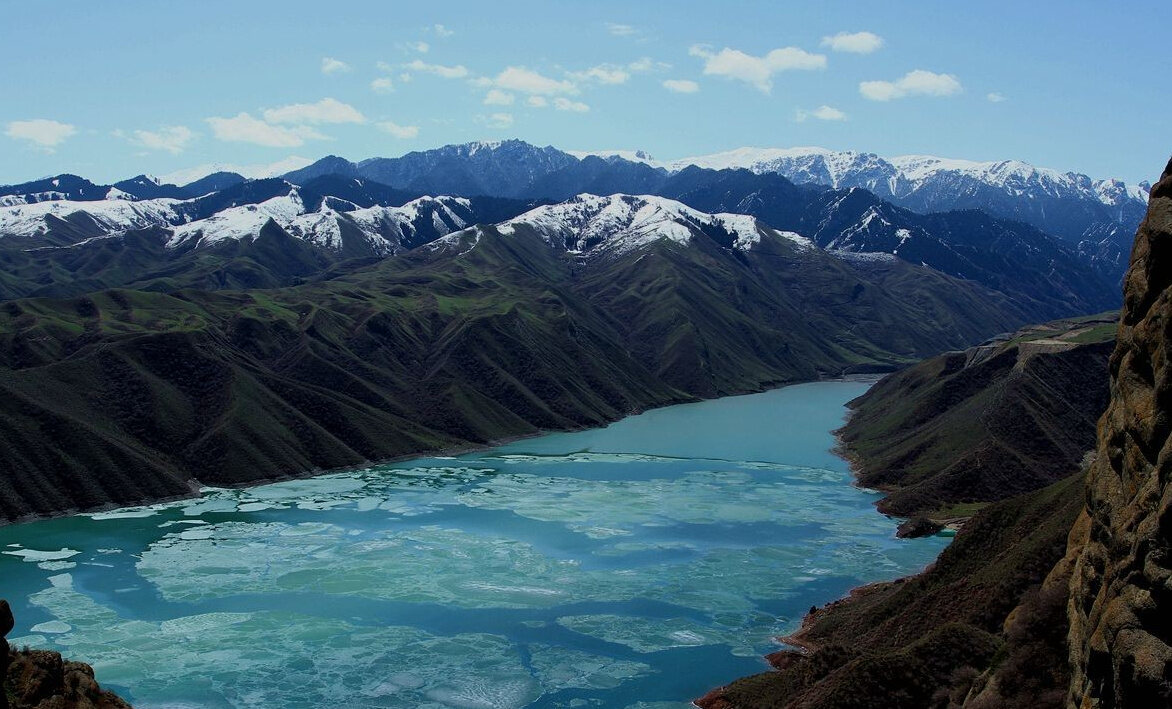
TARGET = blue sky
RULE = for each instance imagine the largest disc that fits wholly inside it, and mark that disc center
(110, 90)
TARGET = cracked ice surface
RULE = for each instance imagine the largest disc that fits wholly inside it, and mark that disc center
(246, 659)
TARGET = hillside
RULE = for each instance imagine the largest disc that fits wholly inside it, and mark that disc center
(928, 640)
(986, 423)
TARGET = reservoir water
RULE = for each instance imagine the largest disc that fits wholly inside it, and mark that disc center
(634, 566)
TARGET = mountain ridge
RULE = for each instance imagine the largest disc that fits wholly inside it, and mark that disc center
(483, 334)
(327, 212)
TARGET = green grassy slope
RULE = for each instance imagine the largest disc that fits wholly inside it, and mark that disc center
(986, 423)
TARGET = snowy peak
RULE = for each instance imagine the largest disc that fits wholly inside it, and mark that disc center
(336, 225)
(383, 230)
(905, 175)
(639, 156)
(103, 216)
(239, 222)
(589, 224)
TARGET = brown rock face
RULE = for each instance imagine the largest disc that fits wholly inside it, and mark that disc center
(39, 679)
(1121, 590)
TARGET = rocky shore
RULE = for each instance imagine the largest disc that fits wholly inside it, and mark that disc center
(40, 679)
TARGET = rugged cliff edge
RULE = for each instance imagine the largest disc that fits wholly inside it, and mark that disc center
(39, 679)
(1121, 590)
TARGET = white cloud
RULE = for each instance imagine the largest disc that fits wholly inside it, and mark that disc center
(853, 42)
(172, 139)
(603, 74)
(441, 31)
(758, 71)
(822, 113)
(328, 110)
(382, 85)
(421, 47)
(913, 83)
(537, 101)
(621, 30)
(41, 132)
(458, 71)
(253, 171)
(329, 65)
(244, 128)
(565, 104)
(995, 97)
(496, 97)
(681, 86)
(500, 120)
(515, 78)
(403, 132)
(646, 64)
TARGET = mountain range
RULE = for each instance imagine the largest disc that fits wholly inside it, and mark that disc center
(270, 327)
(1097, 217)
(335, 210)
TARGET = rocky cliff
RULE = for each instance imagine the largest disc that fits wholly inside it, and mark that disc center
(39, 679)
(1121, 590)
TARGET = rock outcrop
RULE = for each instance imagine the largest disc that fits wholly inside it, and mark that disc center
(1121, 590)
(40, 679)
(6, 624)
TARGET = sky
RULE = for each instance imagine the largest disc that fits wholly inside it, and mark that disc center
(112, 90)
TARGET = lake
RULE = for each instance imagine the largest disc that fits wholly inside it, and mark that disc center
(634, 566)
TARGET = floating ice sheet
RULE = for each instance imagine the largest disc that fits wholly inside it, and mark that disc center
(36, 555)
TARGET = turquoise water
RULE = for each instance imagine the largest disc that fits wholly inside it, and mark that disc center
(633, 566)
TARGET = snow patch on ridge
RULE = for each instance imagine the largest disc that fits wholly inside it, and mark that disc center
(114, 215)
(902, 175)
(622, 223)
(240, 222)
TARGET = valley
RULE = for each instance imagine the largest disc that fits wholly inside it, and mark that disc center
(171, 350)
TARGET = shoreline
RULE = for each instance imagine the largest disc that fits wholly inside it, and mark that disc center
(452, 451)
(795, 644)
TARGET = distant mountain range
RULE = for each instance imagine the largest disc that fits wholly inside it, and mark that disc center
(1098, 217)
(58, 236)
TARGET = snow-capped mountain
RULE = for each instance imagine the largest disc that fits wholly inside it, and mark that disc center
(1069, 205)
(494, 168)
(333, 216)
(1098, 216)
(618, 224)
(336, 225)
(904, 176)
(59, 187)
(41, 219)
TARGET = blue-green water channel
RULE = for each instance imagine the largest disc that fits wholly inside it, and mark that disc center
(632, 566)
